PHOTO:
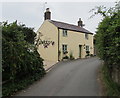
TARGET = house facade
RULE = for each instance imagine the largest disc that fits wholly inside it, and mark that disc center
(59, 39)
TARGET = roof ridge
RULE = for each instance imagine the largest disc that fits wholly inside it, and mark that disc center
(68, 26)
(65, 23)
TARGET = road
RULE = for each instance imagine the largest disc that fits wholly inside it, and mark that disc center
(68, 78)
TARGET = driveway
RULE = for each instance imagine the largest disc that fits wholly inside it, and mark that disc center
(68, 78)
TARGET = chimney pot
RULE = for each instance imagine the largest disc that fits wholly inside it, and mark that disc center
(47, 9)
(79, 19)
(80, 23)
(47, 14)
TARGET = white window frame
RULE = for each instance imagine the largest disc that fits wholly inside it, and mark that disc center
(64, 48)
(64, 32)
(87, 48)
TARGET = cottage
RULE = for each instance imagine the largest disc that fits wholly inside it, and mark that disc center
(58, 39)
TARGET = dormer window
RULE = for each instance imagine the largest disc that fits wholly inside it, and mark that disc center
(64, 33)
(86, 36)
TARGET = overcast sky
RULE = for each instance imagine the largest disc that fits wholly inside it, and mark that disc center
(32, 13)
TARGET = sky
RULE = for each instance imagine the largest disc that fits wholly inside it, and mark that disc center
(32, 13)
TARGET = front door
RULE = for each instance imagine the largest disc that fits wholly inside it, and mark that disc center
(80, 50)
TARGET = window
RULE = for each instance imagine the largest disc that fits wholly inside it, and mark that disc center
(86, 36)
(64, 49)
(87, 48)
(64, 32)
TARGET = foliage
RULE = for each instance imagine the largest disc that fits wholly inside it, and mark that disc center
(87, 53)
(108, 36)
(65, 52)
(20, 57)
(91, 55)
(113, 89)
(66, 57)
(108, 40)
(11, 88)
(71, 56)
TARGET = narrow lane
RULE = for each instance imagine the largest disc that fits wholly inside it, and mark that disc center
(70, 78)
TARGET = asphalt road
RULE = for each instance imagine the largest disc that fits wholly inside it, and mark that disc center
(69, 78)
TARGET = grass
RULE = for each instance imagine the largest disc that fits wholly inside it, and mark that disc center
(112, 88)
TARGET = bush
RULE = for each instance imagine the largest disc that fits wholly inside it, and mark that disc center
(113, 89)
(10, 88)
(65, 52)
(71, 56)
(108, 37)
(87, 53)
(91, 55)
(66, 57)
(20, 57)
(108, 40)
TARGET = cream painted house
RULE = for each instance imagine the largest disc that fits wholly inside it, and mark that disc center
(59, 39)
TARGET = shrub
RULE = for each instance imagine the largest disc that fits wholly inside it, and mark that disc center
(71, 56)
(113, 89)
(20, 56)
(108, 39)
(65, 52)
(108, 36)
(87, 53)
(91, 55)
(66, 57)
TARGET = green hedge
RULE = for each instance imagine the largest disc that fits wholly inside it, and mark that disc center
(20, 58)
(11, 87)
(108, 45)
(108, 36)
(113, 89)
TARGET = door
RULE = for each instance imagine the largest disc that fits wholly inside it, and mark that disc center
(80, 51)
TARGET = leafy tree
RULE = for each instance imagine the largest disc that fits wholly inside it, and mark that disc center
(108, 36)
(108, 46)
(20, 56)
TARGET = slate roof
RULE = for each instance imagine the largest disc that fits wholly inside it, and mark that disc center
(71, 27)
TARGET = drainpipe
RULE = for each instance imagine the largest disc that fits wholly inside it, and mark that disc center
(58, 43)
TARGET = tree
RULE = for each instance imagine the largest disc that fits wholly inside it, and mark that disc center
(20, 56)
(108, 37)
(108, 46)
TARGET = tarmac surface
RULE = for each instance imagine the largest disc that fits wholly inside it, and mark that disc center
(68, 78)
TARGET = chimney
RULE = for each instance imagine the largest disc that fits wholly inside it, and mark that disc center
(80, 23)
(47, 14)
